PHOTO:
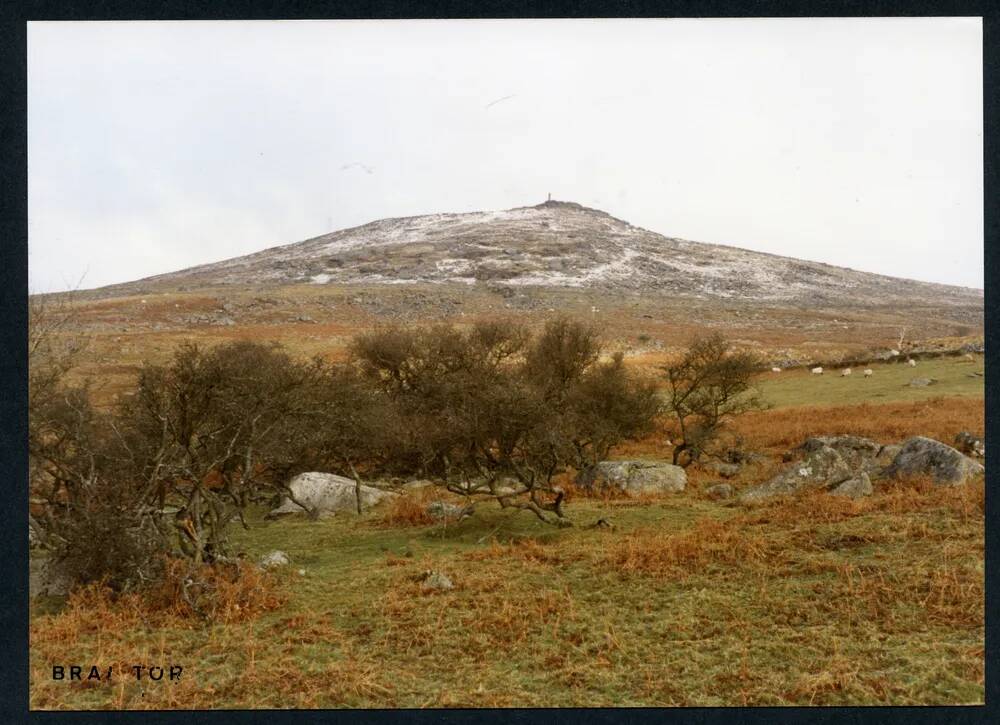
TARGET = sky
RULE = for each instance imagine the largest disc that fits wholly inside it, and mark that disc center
(155, 146)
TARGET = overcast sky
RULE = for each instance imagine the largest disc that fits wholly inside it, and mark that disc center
(158, 146)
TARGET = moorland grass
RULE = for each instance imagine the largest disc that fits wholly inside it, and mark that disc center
(810, 600)
(803, 601)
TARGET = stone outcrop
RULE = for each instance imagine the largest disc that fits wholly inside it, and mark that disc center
(928, 457)
(634, 477)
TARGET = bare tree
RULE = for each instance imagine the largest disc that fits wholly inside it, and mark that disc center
(211, 432)
(495, 412)
(709, 385)
(58, 414)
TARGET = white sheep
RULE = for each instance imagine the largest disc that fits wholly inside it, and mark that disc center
(817, 371)
(775, 370)
(911, 362)
(869, 372)
(894, 352)
(845, 372)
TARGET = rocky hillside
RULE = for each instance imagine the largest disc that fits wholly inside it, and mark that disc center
(556, 245)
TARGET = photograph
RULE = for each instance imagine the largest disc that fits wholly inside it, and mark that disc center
(505, 363)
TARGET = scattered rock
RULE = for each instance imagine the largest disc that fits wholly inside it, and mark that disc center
(856, 451)
(720, 491)
(634, 477)
(970, 445)
(973, 347)
(922, 382)
(444, 511)
(856, 487)
(326, 493)
(847, 465)
(726, 470)
(435, 580)
(926, 456)
(273, 559)
(823, 468)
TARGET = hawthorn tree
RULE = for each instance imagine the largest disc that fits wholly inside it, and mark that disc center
(209, 433)
(709, 385)
(495, 412)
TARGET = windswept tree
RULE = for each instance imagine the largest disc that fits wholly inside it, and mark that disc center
(344, 425)
(210, 432)
(496, 412)
(180, 459)
(81, 508)
(607, 406)
(710, 384)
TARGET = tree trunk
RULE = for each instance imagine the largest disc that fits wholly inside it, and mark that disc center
(357, 486)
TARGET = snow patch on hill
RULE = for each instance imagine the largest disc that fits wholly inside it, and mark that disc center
(560, 244)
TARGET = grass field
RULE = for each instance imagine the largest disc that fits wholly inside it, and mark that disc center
(889, 382)
(686, 602)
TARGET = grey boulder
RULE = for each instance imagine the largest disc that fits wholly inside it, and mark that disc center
(823, 469)
(720, 491)
(855, 487)
(327, 493)
(860, 454)
(444, 511)
(926, 456)
(634, 477)
(726, 470)
(273, 560)
(855, 450)
(970, 445)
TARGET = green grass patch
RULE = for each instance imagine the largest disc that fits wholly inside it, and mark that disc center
(888, 383)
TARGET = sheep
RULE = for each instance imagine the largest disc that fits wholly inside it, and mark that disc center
(869, 372)
(845, 372)
(894, 352)
(911, 362)
(775, 370)
(817, 371)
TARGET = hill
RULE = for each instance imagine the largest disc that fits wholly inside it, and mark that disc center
(557, 245)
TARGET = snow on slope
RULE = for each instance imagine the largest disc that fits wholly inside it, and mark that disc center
(557, 244)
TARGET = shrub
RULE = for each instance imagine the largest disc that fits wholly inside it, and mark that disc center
(708, 386)
(211, 432)
(106, 534)
(496, 412)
